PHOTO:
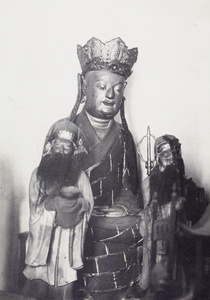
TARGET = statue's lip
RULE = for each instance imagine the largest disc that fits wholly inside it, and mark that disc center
(108, 103)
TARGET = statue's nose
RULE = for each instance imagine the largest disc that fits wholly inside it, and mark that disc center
(110, 93)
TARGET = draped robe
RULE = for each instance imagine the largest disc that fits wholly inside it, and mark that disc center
(111, 260)
(54, 254)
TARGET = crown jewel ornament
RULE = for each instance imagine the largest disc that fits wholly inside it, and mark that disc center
(66, 135)
(113, 55)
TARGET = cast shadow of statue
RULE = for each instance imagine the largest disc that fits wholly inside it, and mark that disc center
(11, 196)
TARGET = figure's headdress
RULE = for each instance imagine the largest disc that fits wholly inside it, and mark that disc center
(62, 129)
(166, 142)
(170, 142)
(113, 55)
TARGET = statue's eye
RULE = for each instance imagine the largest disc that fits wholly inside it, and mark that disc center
(102, 87)
(67, 145)
(118, 88)
(57, 143)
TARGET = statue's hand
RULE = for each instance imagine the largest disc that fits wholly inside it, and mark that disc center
(98, 213)
(114, 212)
(64, 204)
(180, 203)
(56, 202)
(70, 192)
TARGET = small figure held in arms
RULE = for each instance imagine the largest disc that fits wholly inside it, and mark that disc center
(61, 204)
(174, 194)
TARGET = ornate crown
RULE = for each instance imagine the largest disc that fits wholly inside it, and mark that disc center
(66, 135)
(63, 129)
(165, 142)
(113, 55)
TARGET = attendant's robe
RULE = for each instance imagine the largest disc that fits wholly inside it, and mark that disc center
(188, 210)
(54, 254)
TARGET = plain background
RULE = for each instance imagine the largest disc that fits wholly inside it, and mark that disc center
(169, 89)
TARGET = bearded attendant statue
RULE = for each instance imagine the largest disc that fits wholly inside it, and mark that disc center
(168, 184)
(61, 203)
(109, 160)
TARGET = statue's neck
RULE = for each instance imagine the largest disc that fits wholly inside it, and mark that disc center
(101, 126)
(99, 123)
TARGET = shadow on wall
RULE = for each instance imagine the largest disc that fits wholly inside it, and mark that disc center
(11, 194)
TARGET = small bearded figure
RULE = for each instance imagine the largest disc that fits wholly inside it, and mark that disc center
(61, 203)
(174, 192)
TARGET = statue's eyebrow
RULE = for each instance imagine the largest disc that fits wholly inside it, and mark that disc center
(104, 81)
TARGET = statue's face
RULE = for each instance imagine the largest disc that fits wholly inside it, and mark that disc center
(104, 91)
(165, 158)
(62, 146)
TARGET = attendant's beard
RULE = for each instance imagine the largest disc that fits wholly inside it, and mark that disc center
(58, 170)
(162, 183)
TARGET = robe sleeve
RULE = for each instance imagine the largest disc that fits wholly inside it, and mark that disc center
(40, 226)
(78, 237)
(85, 188)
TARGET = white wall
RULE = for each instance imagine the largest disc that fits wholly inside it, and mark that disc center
(169, 89)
